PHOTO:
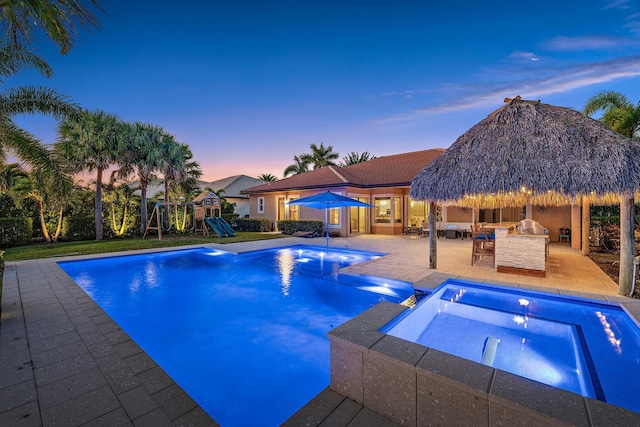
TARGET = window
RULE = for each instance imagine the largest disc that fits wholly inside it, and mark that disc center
(260, 205)
(417, 212)
(382, 210)
(334, 216)
(397, 210)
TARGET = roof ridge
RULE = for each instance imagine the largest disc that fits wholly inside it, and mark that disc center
(338, 174)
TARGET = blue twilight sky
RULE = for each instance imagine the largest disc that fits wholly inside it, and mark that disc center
(250, 84)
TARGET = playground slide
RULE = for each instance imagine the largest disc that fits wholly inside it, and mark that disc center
(216, 227)
(226, 227)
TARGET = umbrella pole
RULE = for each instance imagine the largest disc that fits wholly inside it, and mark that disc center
(326, 225)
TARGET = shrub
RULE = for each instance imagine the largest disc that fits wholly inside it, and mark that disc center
(80, 228)
(231, 219)
(15, 231)
(8, 207)
(252, 224)
(292, 226)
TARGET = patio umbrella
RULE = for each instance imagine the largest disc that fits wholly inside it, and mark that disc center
(328, 200)
(528, 151)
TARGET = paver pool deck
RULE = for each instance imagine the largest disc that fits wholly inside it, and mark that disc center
(64, 361)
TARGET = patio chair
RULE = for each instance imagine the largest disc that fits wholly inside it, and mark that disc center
(483, 244)
(424, 229)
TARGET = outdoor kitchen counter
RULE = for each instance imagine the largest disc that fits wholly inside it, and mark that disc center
(520, 253)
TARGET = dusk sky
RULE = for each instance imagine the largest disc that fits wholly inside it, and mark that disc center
(250, 84)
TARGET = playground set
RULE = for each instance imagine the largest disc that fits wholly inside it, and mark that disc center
(206, 214)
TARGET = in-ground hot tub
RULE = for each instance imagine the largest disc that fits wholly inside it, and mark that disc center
(478, 354)
(579, 345)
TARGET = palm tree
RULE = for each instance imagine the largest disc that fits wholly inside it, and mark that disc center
(13, 60)
(354, 158)
(300, 165)
(9, 176)
(622, 116)
(267, 177)
(183, 191)
(321, 156)
(143, 156)
(119, 196)
(27, 100)
(176, 166)
(50, 190)
(90, 143)
(618, 112)
(59, 20)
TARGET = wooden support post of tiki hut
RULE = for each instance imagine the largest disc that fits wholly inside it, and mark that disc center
(433, 231)
(627, 244)
(586, 225)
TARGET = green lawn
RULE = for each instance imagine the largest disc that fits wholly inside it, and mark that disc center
(46, 250)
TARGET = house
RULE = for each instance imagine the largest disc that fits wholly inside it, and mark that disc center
(233, 187)
(383, 182)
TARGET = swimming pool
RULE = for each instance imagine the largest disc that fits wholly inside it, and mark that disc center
(583, 346)
(244, 335)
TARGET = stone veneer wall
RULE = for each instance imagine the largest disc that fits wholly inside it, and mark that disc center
(520, 251)
(414, 385)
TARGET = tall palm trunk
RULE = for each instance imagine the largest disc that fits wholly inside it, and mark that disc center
(123, 227)
(166, 219)
(184, 219)
(59, 227)
(114, 224)
(176, 219)
(98, 206)
(143, 207)
(43, 224)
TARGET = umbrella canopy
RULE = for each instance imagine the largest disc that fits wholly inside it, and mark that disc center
(328, 200)
(530, 151)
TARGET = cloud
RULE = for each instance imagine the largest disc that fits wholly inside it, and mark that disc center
(633, 24)
(403, 93)
(616, 4)
(585, 43)
(562, 80)
(518, 54)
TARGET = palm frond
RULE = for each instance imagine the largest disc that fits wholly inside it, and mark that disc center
(30, 100)
(13, 60)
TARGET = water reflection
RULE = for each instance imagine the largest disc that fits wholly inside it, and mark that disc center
(608, 330)
(285, 261)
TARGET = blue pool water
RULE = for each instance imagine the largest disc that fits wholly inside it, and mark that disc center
(244, 335)
(583, 346)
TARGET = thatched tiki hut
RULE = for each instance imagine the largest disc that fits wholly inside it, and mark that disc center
(529, 152)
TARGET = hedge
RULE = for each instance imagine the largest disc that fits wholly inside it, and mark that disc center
(8, 208)
(15, 231)
(252, 224)
(81, 228)
(292, 226)
(231, 218)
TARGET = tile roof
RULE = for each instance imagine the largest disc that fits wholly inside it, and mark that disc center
(385, 171)
(233, 185)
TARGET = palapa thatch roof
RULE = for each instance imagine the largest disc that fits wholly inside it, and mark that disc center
(530, 151)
